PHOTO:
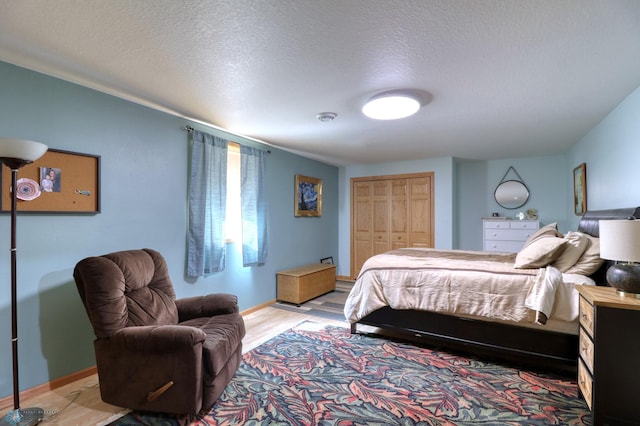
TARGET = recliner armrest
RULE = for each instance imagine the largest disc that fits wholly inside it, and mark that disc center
(157, 338)
(206, 306)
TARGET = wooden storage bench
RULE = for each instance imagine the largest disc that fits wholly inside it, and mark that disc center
(299, 285)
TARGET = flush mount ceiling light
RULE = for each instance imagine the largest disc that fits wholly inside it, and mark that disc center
(392, 105)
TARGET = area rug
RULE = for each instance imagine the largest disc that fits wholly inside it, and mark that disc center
(322, 375)
(329, 306)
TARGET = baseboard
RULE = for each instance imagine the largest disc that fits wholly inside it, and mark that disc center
(257, 308)
(345, 278)
(49, 386)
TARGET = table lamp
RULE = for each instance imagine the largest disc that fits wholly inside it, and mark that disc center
(620, 241)
(15, 153)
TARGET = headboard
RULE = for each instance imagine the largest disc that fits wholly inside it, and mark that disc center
(589, 224)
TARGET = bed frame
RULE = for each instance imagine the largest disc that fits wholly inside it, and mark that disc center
(535, 348)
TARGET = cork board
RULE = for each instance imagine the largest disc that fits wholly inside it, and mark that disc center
(58, 182)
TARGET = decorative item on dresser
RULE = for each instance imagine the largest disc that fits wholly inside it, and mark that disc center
(609, 352)
(620, 241)
(507, 235)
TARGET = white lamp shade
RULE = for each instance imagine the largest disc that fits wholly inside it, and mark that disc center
(391, 106)
(21, 149)
(620, 240)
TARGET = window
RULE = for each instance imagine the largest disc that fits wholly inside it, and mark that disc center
(233, 223)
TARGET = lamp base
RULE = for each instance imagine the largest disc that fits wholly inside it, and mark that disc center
(23, 417)
(625, 277)
(627, 294)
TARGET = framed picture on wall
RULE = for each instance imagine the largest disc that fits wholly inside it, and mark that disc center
(308, 196)
(580, 189)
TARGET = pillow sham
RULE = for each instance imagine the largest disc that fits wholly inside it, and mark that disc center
(576, 245)
(590, 261)
(550, 230)
(540, 253)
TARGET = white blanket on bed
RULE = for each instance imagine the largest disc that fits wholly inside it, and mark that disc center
(460, 282)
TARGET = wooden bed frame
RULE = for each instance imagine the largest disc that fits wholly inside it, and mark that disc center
(540, 349)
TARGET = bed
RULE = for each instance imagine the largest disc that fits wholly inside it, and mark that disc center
(518, 307)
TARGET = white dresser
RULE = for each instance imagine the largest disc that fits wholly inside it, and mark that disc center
(501, 234)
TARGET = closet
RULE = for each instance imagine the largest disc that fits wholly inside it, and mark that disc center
(390, 212)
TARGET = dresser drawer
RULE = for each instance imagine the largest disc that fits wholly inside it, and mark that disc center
(508, 234)
(504, 246)
(497, 224)
(511, 224)
(585, 382)
(524, 224)
(586, 315)
(586, 349)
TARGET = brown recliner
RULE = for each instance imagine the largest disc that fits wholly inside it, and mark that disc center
(153, 352)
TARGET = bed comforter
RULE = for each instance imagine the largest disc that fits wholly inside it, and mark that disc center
(471, 283)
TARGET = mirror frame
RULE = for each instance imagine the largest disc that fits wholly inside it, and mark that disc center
(523, 193)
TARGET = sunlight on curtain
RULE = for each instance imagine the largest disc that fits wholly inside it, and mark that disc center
(207, 204)
(254, 205)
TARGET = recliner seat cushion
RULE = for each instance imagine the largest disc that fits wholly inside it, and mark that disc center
(224, 336)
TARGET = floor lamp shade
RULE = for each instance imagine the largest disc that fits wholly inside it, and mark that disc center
(15, 153)
(21, 150)
(620, 241)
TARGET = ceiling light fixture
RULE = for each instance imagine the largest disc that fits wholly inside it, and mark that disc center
(392, 105)
(325, 117)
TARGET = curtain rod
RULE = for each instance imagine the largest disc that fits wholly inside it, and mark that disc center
(190, 129)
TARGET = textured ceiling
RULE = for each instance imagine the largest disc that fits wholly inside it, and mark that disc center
(508, 78)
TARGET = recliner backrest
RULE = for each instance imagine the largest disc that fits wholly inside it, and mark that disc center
(127, 288)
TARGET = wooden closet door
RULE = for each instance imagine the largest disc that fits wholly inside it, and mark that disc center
(390, 212)
(381, 203)
(420, 212)
(399, 214)
(361, 224)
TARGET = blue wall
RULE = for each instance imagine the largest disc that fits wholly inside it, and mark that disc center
(144, 177)
(611, 151)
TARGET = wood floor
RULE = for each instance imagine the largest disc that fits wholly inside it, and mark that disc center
(79, 403)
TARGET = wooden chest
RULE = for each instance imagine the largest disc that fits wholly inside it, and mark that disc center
(299, 285)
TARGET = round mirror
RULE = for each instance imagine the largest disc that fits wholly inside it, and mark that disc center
(511, 194)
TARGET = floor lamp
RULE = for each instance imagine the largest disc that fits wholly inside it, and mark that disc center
(15, 153)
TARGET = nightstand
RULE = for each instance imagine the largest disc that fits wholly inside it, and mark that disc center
(608, 370)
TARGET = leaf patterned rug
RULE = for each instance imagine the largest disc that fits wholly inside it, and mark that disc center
(322, 375)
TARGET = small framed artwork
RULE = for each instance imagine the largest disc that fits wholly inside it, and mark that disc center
(327, 260)
(580, 189)
(308, 196)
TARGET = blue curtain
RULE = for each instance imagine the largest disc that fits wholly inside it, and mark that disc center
(254, 205)
(207, 204)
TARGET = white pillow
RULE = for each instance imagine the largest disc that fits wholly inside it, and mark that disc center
(550, 230)
(540, 252)
(576, 245)
(590, 261)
